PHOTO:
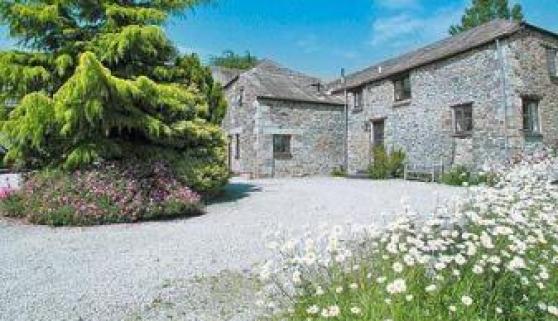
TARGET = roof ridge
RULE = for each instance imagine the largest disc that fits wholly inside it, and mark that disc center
(503, 24)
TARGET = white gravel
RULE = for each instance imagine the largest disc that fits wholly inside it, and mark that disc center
(115, 272)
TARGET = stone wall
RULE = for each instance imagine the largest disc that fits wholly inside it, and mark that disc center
(423, 126)
(316, 132)
(531, 78)
(239, 120)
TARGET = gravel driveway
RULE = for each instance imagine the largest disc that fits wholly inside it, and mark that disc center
(174, 270)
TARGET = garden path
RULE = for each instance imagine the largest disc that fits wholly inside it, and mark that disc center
(189, 269)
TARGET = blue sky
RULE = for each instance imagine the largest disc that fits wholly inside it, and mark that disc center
(322, 36)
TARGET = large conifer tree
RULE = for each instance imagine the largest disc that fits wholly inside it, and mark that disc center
(98, 79)
(482, 11)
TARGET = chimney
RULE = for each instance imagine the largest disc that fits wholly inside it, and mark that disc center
(318, 86)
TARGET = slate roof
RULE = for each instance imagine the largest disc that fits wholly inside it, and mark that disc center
(225, 75)
(272, 81)
(443, 49)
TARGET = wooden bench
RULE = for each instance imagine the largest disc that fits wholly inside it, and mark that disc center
(421, 172)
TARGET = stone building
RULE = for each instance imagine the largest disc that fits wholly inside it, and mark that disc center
(476, 98)
(281, 123)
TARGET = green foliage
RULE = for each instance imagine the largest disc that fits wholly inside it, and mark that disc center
(457, 176)
(482, 11)
(461, 176)
(230, 59)
(100, 80)
(14, 205)
(339, 172)
(386, 165)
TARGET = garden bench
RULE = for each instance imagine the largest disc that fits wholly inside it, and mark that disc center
(423, 172)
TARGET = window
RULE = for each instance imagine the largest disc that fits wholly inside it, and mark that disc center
(357, 99)
(552, 54)
(241, 96)
(531, 123)
(402, 88)
(463, 119)
(237, 145)
(282, 146)
(378, 132)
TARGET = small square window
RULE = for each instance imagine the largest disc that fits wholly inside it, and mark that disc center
(357, 99)
(241, 96)
(553, 62)
(282, 146)
(463, 119)
(402, 88)
(531, 123)
(237, 146)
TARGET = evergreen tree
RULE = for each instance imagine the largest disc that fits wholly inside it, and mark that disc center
(229, 59)
(98, 79)
(482, 11)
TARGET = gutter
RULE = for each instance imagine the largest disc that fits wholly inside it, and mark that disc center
(308, 101)
(346, 129)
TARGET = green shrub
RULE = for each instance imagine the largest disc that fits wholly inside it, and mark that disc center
(118, 91)
(107, 193)
(386, 165)
(339, 172)
(457, 176)
(461, 176)
(397, 163)
(12, 206)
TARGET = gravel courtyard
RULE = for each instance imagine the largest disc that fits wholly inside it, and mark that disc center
(191, 269)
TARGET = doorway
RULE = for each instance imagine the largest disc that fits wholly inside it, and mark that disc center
(229, 159)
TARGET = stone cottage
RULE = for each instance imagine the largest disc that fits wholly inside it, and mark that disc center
(476, 98)
(281, 122)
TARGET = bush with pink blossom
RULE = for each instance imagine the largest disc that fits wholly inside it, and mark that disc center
(111, 192)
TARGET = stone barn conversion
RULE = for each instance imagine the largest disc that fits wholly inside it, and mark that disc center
(281, 122)
(476, 98)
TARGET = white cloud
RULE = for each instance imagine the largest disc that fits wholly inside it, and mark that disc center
(408, 29)
(398, 4)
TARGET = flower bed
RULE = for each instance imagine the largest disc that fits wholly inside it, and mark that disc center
(108, 193)
(494, 257)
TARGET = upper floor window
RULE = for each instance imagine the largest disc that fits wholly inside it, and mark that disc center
(357, 99)
(463, 119)
(552, 61)
(531, 123)
(402, 88)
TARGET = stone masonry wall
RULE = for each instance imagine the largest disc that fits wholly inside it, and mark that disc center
(316, 138)
(240, 120)
(531, 78)
(423, 126)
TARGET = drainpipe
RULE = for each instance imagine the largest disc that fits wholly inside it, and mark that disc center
(346, 129)
(504, 93)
